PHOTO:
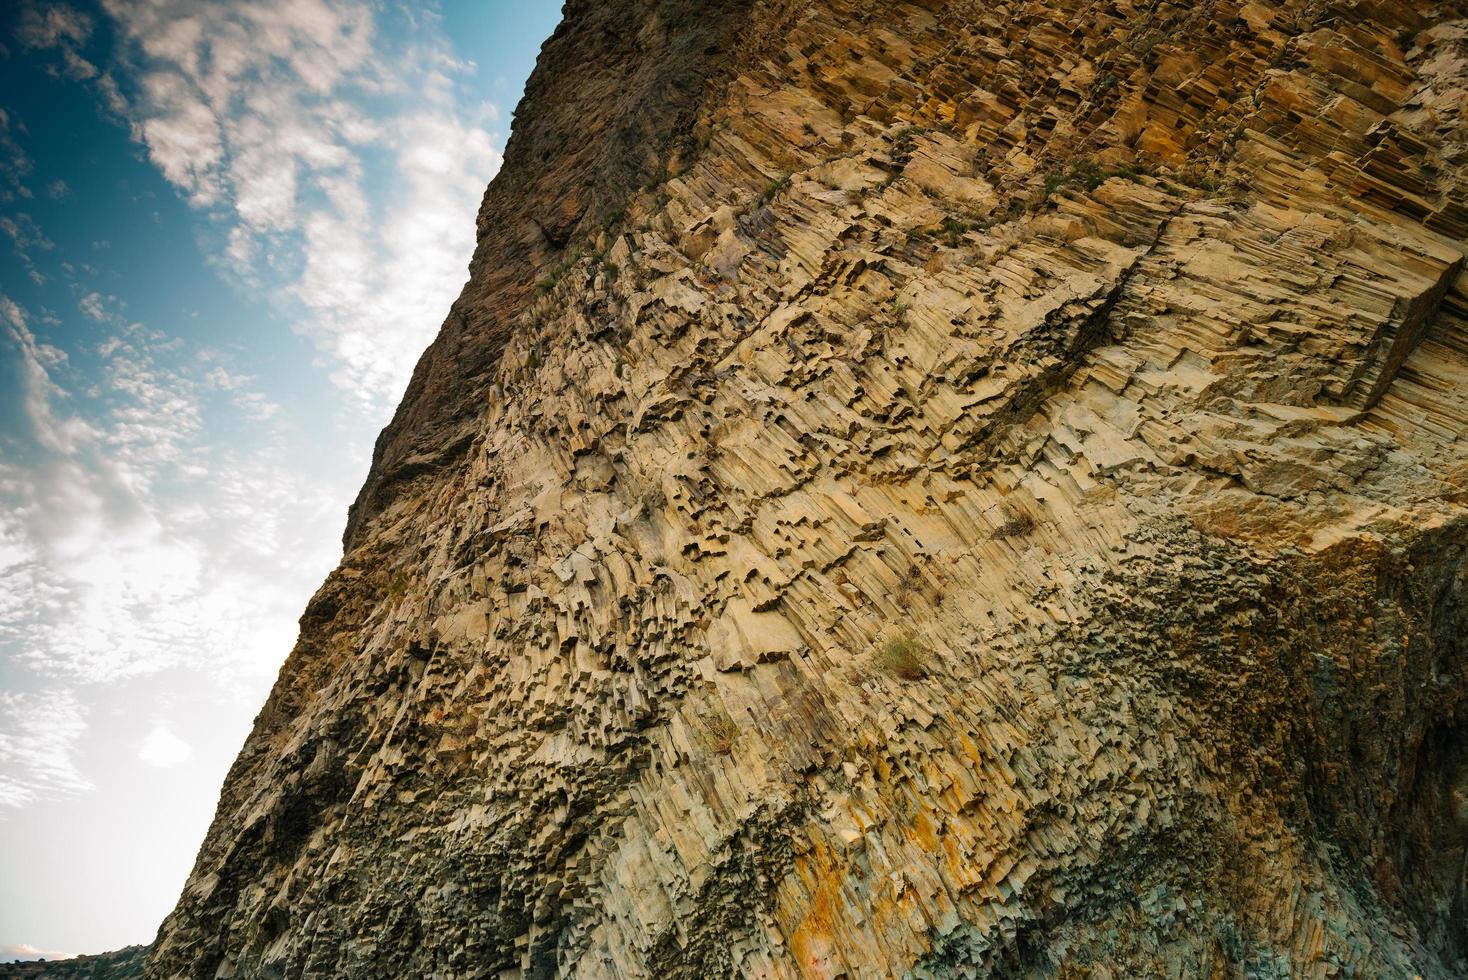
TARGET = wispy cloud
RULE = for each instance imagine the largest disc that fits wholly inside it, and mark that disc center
(15, 163)
(128, 543)
(62, 28)
(50, 26)
(38, 736)
(25, 233)
(154, 514)
(284, 120)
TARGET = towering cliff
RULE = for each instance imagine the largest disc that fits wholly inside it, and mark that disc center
(932, 489)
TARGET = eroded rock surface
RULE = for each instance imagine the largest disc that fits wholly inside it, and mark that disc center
(928, 489)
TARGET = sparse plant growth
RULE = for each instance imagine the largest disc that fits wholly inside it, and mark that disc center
(549, 281)
(1017, 525)
(953, 231)
(910, 590)
(722, 733)
(904, 142)
(398, 587)
(904, 657)
(1086, 174)
(776, 186)
(950, 229)
(609, 270)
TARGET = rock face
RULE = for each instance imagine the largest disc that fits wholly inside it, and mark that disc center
(911, 489)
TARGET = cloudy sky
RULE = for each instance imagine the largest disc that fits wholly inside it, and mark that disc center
(227, 229)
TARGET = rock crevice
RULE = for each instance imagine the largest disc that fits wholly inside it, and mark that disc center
(915, 489)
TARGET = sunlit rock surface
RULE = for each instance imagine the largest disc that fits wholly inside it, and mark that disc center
(910, 489)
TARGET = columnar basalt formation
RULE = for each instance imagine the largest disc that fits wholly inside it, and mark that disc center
(911, 489)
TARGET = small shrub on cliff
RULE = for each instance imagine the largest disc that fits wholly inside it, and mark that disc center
(1084, 173)
(911, 589)
(1018, 525)
(954, 230)
(904, 657)
(776, 186)
(722, 733)
(398, 587)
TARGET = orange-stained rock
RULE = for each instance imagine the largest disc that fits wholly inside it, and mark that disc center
(910, 489)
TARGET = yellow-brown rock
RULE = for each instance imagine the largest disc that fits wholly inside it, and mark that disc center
(911, 489)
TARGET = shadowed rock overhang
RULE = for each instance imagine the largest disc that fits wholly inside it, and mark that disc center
(932, 489)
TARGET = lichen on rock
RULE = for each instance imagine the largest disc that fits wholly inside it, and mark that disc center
(915, 489)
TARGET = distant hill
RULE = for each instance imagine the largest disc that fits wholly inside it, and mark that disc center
(124, 964)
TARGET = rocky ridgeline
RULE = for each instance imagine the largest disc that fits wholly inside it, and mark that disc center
(911, 489)
(124, 964)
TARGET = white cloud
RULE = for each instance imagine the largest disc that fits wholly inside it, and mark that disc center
(25, 951)
(282, 119)
(130, 542)
(227, 380)
(154, 512)
(25, 233)
(38, 736)
(63, 28)
(15, 165)
(255, 406)
(91, 305)
(52, 26)
(164, 750)
(38, 391)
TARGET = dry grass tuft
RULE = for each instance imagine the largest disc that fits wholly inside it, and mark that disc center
(722, 733)
(1018, 525)
(904, 657)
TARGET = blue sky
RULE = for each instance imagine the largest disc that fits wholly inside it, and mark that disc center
(227, 229)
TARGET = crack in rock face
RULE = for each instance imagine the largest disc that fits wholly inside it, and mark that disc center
(914, 489)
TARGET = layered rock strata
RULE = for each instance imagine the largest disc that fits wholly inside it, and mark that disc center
(910, 489)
